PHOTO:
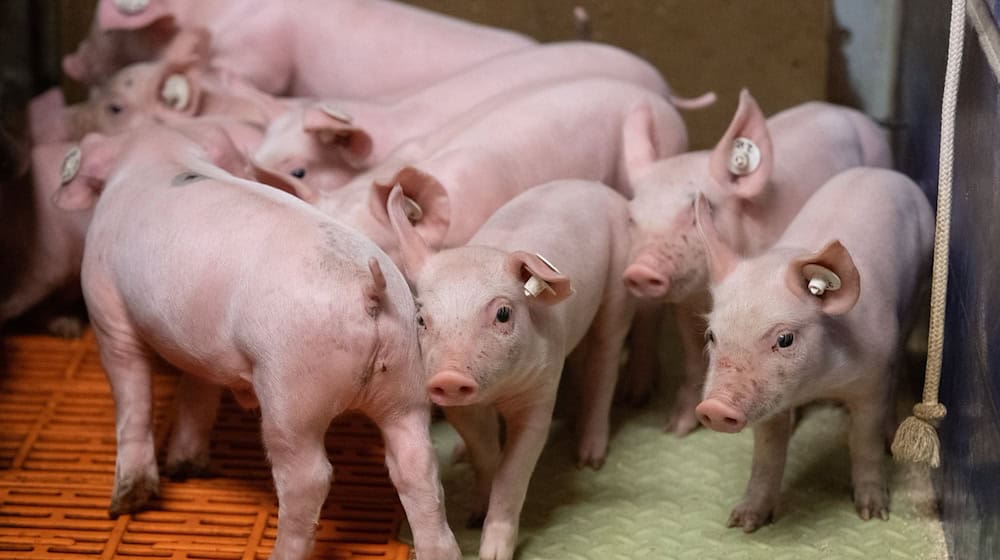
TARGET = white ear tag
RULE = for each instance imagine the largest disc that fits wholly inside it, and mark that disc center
(745, 157)
(412, 210)
(336, 113)
(821, 279)
(176, 92)
(131, 7)
(535, 285)
(71, 164)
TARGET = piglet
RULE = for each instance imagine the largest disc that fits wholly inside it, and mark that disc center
(757, 177)
(350, 48)
(296, 314)
(498, 317)
(821, 315)
(326, 143)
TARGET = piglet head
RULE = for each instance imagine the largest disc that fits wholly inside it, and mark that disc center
(482, 315)
(669, 262)
(318, 144)
(479, 311)
(146, 92)
(772, 333)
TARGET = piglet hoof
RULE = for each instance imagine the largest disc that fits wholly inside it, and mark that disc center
(459, 453)
(192, 468)
(65, 327)
(498, 542)
(750, 517)
(132, 494)
(871, 501)
(591, 453)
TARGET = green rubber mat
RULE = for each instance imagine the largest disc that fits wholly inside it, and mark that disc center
(659, 496)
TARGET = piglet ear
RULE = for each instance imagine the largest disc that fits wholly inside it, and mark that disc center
(721, 258)
(542, 280)
(413, 248)
(189, 47)
(425, 202)
(829, 275)
(741, 162)
(130, 14)
(334, 128)
(281, 181)
(85, 169)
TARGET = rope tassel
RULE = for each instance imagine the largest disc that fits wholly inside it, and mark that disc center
(916, 439)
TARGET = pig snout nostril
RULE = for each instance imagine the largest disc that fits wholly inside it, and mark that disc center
(731, 421)
(465, 390)
(439, 391)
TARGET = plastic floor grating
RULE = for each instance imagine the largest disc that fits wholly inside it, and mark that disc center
(57, 460)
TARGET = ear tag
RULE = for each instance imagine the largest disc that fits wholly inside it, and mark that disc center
(71, 164)
(535, 285)
(336, 113)
(821, 279)
(412, 210)
(745, 157)
(176, 91)
(131, 7)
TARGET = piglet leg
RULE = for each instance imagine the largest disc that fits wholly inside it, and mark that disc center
(409, 456)
(865, 439)
(770, 449)
(528, 425)
(293, 432)
(480, 429)
(691, 326)
(197, 406)
(604, 344)
(127, 364)
(643, 365)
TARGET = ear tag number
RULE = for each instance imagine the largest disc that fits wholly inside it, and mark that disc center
(745, 157)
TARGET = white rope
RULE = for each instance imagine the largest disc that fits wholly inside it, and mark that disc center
(916, 440)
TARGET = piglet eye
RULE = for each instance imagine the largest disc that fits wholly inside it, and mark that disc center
(503, 314)
(298, 172)
(785, 339)
(420, 321)
(709, 336)
(115, 108)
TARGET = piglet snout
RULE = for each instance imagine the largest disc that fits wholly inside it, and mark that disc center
(719, 416)
(644, 282)
(450, 388)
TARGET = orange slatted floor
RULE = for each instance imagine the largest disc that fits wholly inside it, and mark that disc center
(57, 460)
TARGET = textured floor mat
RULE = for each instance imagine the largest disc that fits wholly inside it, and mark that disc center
(57, 460)
(660, 497)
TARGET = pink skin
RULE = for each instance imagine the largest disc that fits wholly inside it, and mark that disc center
(315, 47)
(774, 346)
(601, 130)
(801, 148)
(133, 97)
(57, 250)
(339, 336)
(328, 152)
(489, 348)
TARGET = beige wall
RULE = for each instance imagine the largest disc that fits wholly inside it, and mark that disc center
(777, 48)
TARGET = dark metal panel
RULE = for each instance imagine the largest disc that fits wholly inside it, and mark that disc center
(969, 480)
